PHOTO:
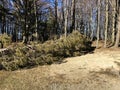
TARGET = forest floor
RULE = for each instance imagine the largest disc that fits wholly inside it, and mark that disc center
(99, 70)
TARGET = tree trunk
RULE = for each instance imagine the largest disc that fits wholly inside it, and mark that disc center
(36, 25)
(113, 22)
(3, 25)
(106, 24)
(56, 16)
(91, 35)
(73, 16)
(118, 25)
(66, 17)
(63, 17)
(25, 35)
(98, 23)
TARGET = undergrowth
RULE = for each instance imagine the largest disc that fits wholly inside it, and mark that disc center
(21, 56)
(5, 40)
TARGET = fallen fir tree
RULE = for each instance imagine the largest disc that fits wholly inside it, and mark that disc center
(22, 56)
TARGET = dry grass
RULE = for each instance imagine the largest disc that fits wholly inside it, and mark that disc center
(32, 79)
(110, 71)
(23, 80)
(73, 75)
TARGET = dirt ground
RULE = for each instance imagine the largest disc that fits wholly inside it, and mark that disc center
(99, 70)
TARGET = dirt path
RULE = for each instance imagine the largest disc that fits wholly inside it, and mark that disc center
(96, 71)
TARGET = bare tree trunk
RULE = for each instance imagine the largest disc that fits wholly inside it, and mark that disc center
(113, 22)
(3, 25)
(118, 33)
(98, 23)
(106, 24)
(118, 25)
(63, 16)
(90, 24)
(36, 26)
(73, 16)
(25, 36)
(66, 17)
(91, 35)
(56, 16)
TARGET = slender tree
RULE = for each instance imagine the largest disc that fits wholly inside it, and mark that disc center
(73, 15)
(66, 17)
(113, 20)
(56, 16)
(106, 23)
(98, 23)
(36, 24)
(118, 25)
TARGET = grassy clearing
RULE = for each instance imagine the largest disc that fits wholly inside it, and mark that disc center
(32, 79)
